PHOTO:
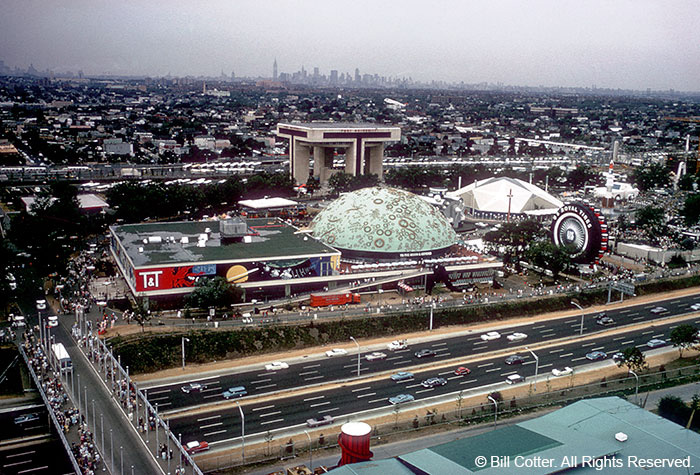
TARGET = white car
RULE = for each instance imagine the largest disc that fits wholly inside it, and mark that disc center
(377, 355)
(336, 352)
(275, 366)
(490, 336)
(41, 304)
(695, 306)
(53, 321)
(397, 345)
(517, 336)
(659, 310)
(562, 372)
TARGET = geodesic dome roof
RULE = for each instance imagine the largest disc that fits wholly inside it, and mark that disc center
(383, 220)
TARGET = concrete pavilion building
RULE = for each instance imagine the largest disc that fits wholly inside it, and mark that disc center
(505, 198)
(379, 223)
(363, 145)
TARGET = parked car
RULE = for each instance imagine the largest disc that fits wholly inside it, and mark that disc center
(238, 391)
(52, 321)
(26, 418)
(336, 352)
(462, 370)
(276, 366)
(596, 355)
(562, 372)
(319, 421)
(401, 398)
(402, 376)
(193, 388)
(490, 336)
(515, 359)
(196, 446)
(517, 336)
(656, 343)
(376, 355)
(604, 320)
(514, 378)
(397, 345)
(425, 353)
(659, 310)
(434, 382)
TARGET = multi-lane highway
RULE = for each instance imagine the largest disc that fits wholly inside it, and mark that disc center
(347, 397)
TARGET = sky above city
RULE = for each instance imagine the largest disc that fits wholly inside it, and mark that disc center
(629, 44)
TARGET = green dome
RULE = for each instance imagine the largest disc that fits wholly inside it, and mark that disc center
(381, 221)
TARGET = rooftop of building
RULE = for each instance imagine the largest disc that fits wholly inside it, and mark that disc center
(337, 125)
(265, 238)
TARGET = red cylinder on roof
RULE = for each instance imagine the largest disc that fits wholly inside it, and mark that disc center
(354, 441)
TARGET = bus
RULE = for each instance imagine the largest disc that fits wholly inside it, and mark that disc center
(62, 356)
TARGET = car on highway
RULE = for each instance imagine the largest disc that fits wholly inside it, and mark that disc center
(562, 372)
(659, 310)
(193, 388)
(336, 352)
(52, 321)
(517, 336)
(237, 391)
(400, 399)
(319, 421)
(656, 343)
(195, 446)
(276, 366)
(462, 370)
(402, 376)
(434, 382)
(514, 378)
(41, 304)
(695, 306)
(514, 359)
(604, 320)
(397, 345)
(619, 356)
(26, 418)
(596, 355)
(490, 336)
(424, 353)
(375, 355)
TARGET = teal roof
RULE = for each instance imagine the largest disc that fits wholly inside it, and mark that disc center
(384, 220)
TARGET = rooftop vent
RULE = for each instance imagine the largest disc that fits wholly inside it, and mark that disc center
(184, 240)
(621, 437)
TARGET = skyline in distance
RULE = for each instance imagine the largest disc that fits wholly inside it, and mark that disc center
(624, 44)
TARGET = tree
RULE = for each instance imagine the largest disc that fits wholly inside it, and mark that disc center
(343, 182)
(633, 359)
(214, 292)
(546, 255)
(513, 239)
(580, 176)
(683, 337)
(691, 209)
(652, 176)
(674, 409)
(694, 406)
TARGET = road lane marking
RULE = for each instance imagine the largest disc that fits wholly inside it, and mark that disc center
(620, 338)
(647, 333)
(215, 424)
(311, 366)
(538, 326)
(266, 386)
(508, 373)
(157, 399)
(413, 386)
(271, 422)
(579, 358)
(597, 348)
(657, 336)
(209, 434)
(566, 355)
(262, 375)
(493, 369)
(394, 358)
(163, 404)
(328, 410)
(19, 455)
(261, 381)
(545, 365)
(268, 414)
(319, 404)
(209, 390)
(445, 372)
(557, 350)
(625, 311)
(151, 393)
(485, 365)
(468, 381)
(365, 395)
(263, 408)
(208, 418)
(313, 398)
(588, 344)
(454, 377)
(424, 390)
(639, 318)
(399, 362)
(361, 389)
(439, 344)
(313, 377)
(628, 342)
(570, 321)
(305, 373)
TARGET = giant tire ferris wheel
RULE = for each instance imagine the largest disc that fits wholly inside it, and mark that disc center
(581, 230)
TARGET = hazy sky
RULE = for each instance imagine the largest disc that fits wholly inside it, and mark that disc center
(634, 44)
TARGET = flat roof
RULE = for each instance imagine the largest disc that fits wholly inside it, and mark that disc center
(270, 238)
(337, 125)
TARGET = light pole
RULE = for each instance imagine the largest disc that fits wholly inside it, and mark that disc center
(495, 414)
(240, 409)
(575, 303)
(183, 350)
(311, 455)
(636, 386)
(432, 307)
(358, 355)
(537, 365)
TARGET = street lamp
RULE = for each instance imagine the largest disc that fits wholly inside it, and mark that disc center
(575, 303)
(432, 307)
(537, 365)
(495, 414)
(242, 430)
(358, 355)
(183, 350)
(311, 455)
(636, 386)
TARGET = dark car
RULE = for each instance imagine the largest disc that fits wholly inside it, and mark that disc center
(193, 388)
(515, 359)
(596, 355)
(434, 382)
(425, 353)
(604, 320)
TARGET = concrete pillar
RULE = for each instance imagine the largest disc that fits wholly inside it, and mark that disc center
(323, 163)
(301, 162)
(318, 161)
(287, 291)
(374, 159)
(350, 157)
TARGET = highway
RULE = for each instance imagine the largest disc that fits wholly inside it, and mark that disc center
(219, 425)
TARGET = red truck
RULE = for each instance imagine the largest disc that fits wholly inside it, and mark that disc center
(333, 299)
